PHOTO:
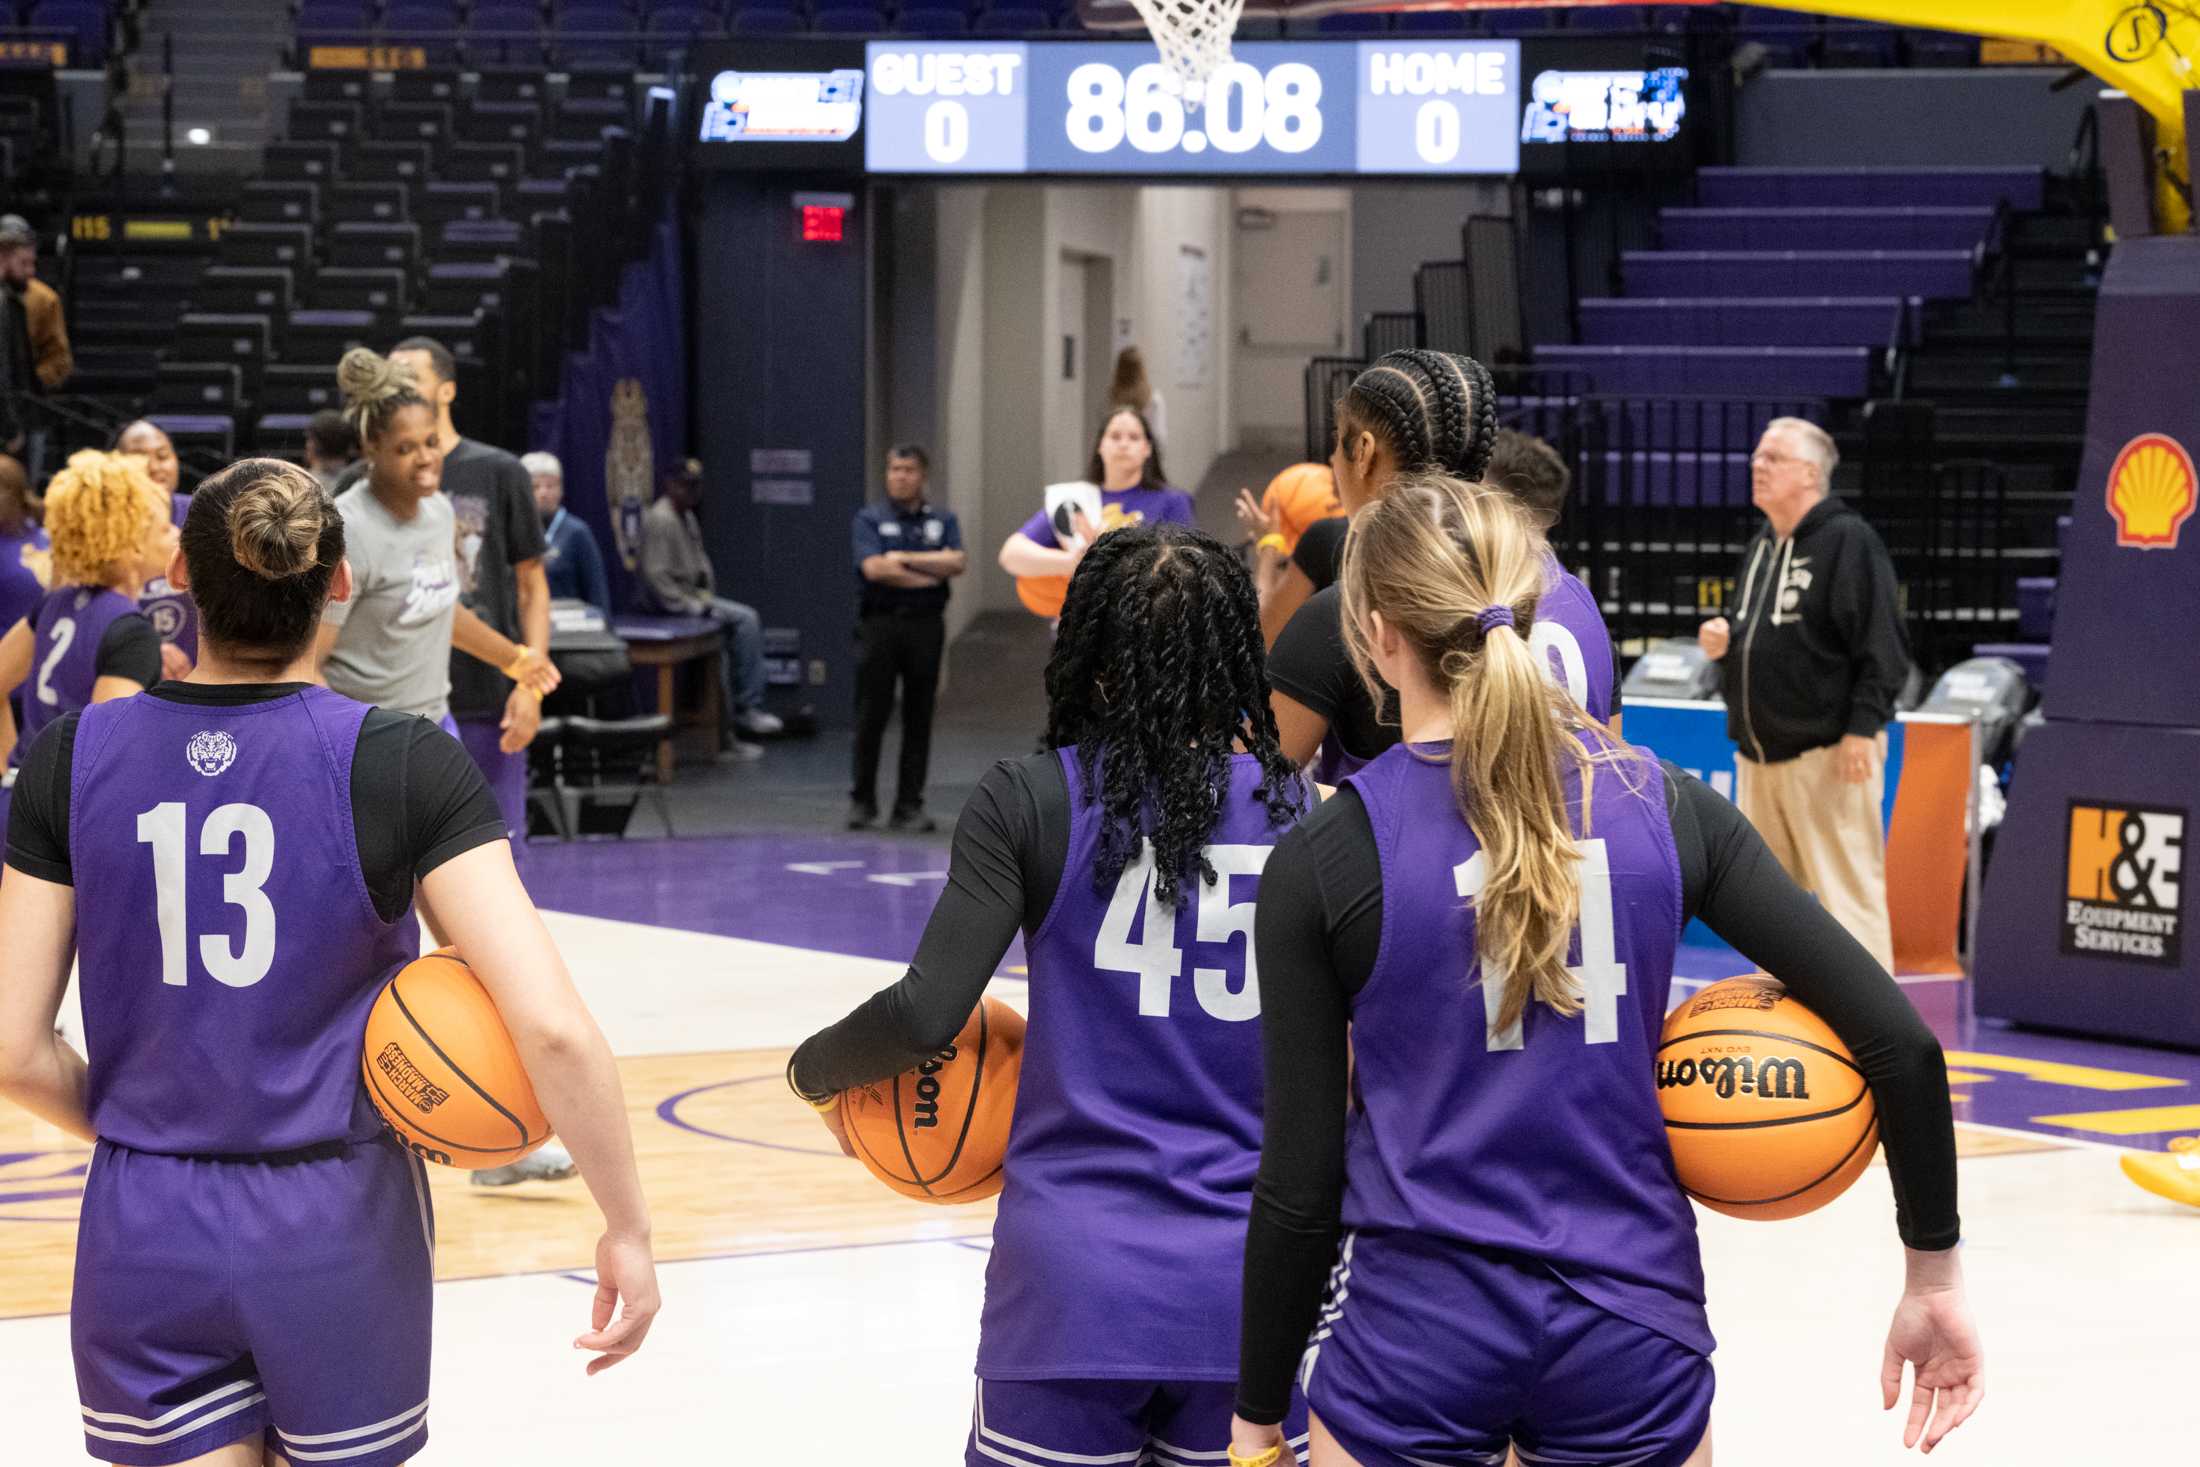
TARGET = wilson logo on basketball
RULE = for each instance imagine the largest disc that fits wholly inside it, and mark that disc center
(418, 1091)
(1772, 1079)
(2152, 490)
(2125, 893)
(925, 1110)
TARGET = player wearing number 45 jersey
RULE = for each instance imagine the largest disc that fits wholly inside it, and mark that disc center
(84, 642)
(235, 854)
(1130, 855)
(1489, 911)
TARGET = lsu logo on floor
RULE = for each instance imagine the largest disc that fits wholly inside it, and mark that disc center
(2126, 887)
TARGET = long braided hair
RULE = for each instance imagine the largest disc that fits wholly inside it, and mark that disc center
(1157, 672)
(1435, 411)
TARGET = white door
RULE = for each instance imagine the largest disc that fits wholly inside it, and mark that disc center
(1288, 276)
(1069, 390)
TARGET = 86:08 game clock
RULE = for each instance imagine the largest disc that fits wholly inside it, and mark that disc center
(1276, 107)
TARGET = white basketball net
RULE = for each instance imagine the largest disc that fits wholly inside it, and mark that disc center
(1194, 38)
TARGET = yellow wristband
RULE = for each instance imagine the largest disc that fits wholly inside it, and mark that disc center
(1272, 541)
(519, 664)
(531, 692)
(1268, 1458)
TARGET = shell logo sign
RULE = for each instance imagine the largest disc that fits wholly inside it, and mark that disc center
(2152, 490)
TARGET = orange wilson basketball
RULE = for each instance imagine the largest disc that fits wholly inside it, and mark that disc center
(939, 1132)
(444, 1072)
(1767, 1112)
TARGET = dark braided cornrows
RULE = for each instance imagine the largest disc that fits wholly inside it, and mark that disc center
(1157, 671)
(1435, 410)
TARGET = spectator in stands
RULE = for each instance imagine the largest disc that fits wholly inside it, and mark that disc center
(171, 611)
(49, 334)
(906, 551)
(677, 572)
(1132, 389)
(501, 580)
(1812, 686)
(331, 447)
(574, 561)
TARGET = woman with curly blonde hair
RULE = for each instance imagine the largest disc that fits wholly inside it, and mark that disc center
(85, 641)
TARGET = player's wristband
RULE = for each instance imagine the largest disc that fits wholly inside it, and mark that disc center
(519, 664)
(1272, 541)
(1268, 1458)
(816, 1103)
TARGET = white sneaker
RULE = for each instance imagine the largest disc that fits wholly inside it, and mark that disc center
(550, 1162)
(740, 751)
(757, 721)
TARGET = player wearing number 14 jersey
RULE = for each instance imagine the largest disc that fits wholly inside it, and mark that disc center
(1130, 855)
(233, 857)
(1490, 911)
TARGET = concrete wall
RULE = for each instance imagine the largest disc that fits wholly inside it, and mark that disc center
(1990, 115)
(1397, 226)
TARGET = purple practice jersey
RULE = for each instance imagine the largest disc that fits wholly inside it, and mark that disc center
(1544, 1140)
(1136, 505)
(228, 946)
(69, 625)
(1118, 1247)
(172, 612)
(1569, 632)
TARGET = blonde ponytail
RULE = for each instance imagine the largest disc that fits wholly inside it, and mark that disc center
(1457, 570)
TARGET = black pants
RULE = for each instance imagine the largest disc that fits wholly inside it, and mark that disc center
(906, 649)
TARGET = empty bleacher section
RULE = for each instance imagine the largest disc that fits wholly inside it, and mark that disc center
(469, 207)
(1894, 306)
(625, 32)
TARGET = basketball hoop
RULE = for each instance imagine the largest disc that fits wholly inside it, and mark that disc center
(1193, 37)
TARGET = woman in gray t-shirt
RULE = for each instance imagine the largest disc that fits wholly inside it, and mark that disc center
(389, 644)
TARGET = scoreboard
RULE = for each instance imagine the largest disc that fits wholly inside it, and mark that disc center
(1043, 108)
(1278, 107)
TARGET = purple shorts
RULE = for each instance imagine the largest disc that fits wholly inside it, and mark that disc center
(215, 1299)
(1134, 1423)
(1441, 1355)
(506, 773)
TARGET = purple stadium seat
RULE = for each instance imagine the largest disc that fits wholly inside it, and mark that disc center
(328, 14)
(86, 25)
(1821, 321)
(1606, 18)
(1819, 188)
(1353, 23)
(849, 20)
(421, 15)
(1433, 22)
(766, 20)
(504, 33)
(932, 20)
(682, 20)
(1730, 371)
(1664, 477)
(1012, 20)
(1832, 228)
(1936, 274)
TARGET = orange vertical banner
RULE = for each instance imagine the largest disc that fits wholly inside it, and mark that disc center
(1927, 845)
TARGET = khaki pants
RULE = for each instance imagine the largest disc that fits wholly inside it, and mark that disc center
(1827, 835)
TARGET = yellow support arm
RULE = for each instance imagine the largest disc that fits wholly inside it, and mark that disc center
(2133, 47)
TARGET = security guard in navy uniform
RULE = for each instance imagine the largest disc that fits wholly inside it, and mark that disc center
(906, 551)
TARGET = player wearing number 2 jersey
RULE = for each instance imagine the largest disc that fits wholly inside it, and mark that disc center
(1130, 855)
(233, 856)
(1490, 910)
(1419, 412)
(84, 642)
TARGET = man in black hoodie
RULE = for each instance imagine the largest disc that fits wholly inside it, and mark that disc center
(1813, 661)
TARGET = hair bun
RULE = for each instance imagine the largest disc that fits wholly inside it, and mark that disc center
(275, 524)
(367, 377)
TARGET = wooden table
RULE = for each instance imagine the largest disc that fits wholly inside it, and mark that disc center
(664, 642)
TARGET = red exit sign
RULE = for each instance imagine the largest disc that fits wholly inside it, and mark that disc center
(823, 218)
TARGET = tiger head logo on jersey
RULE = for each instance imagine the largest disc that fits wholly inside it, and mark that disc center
(629, 468)
(2152, 490)
(2125, 895)
(210, 752)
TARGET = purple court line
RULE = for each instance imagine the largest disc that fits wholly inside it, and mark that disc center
(668, 1112)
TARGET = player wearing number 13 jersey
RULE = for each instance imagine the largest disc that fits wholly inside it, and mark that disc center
(1130, 855)
(1491, 908)
(235, 855)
